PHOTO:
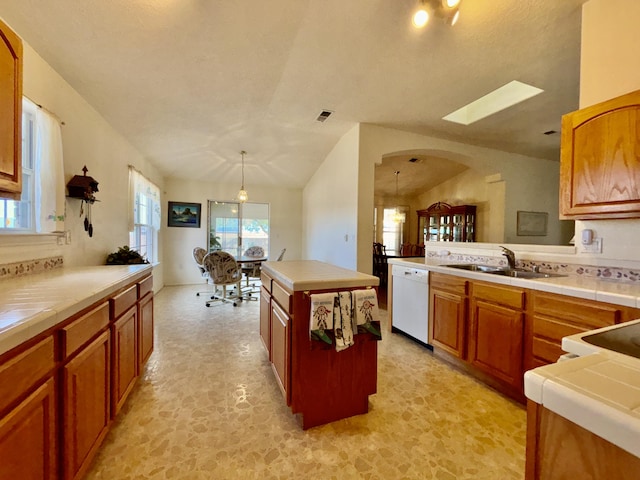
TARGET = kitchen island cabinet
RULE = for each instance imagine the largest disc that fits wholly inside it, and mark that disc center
(57, 366)
(318, 383)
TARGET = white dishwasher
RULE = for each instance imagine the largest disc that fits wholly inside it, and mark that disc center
(411, 302)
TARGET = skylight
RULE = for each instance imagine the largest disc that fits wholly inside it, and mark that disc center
(506, 96)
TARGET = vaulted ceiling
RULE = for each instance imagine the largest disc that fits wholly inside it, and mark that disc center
(191, 83)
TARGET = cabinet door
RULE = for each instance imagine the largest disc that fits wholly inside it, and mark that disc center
(600, 164)
(28, 438)
(265, 320)
(145, 329)
(86, 403)
(447, 322)
(10, 113)
(125, 358)
(495, 341)
(280, 348)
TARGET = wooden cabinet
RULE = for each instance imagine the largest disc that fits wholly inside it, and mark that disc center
(28, 437)
(551, 317)
(448, 313)
(600, 160)
(280, 348)
(145, 330)
(265, 319)
(443, 223)
(558, 449)
(10, 113)
(125, 357)
(86, 405)
(496, 332)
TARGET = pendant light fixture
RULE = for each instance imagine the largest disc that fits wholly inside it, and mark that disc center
(447, 10)
(397, 216)
(243, 196)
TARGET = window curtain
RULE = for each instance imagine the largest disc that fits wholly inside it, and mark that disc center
(139, 184)
(50, 203)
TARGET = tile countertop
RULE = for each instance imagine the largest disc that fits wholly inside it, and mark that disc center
(34, 303)
(618, 293)
(314, 275)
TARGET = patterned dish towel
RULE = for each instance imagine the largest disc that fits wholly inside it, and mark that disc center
(342, 318)
(322, 305)
(367, 314)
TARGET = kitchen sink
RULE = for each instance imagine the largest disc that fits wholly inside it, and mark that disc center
(473, 267)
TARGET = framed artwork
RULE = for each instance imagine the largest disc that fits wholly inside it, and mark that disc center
(532, 223)
(182, 214)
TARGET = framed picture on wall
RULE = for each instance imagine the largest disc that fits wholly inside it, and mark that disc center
(532, 223)
(183, 214)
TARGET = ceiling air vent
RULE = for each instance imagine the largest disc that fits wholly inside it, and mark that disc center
(550, 132)
(324, 114)
(413, 160)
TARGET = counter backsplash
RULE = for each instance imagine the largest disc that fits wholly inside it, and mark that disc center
(27, 267)
(617, 274)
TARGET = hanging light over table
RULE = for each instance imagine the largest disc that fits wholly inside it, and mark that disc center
(243, 196)
(398, 216)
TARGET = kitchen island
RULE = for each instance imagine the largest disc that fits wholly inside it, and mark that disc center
(320, 384)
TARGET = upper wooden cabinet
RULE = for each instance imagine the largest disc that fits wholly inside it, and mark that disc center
(10, 113)
(600, 160)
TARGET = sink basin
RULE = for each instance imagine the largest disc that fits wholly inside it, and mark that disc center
(477, 268)
(473, 267)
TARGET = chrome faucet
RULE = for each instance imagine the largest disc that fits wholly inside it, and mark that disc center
(511, 257)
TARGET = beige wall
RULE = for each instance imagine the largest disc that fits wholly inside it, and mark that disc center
(285, 223)
(330, 208)
(87, 140)
(610, 66)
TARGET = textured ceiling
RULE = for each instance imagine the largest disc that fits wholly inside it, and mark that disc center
(190, 83)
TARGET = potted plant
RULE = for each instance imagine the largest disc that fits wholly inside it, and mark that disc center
(125, 256)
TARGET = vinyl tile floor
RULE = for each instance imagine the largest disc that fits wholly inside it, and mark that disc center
(207, 406)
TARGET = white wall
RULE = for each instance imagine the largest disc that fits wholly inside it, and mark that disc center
(285, 224)
(87, 140)
(331, 207)
(610, 66)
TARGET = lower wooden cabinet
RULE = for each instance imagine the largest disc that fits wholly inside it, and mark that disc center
(86, 405)
(558, 449)
(28, 437)
(145, 329)
(496, 332)
(265, 320)
(125, 357)
(280, 348)
(448, 314)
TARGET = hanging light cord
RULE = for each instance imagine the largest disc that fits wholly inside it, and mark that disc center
(243, 154)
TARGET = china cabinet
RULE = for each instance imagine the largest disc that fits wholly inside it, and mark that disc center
(443, 223)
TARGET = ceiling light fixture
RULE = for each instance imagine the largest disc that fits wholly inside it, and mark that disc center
(398, 216)
(447, 10)
(243, 196)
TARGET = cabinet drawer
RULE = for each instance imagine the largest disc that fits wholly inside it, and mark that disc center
(20, 373)
(546, 350)
(577, 311)
(554, 329)
(145, 286)
(281, 296)
(450, 283)
(266, 281)
(509, 296)
(123, 301)
(80, 331)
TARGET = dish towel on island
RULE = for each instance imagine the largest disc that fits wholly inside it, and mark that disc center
(322, 305)
(366, 312)
(342, 318)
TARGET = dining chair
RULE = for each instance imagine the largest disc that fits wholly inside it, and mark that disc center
(198, 256)
(223, 271)
(252, 270)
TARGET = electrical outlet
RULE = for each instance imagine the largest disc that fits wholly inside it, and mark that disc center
(594, 247)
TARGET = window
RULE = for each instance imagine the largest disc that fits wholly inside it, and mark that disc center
(234, 226)
(144, 219)
(18, 215)
(391, 232)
